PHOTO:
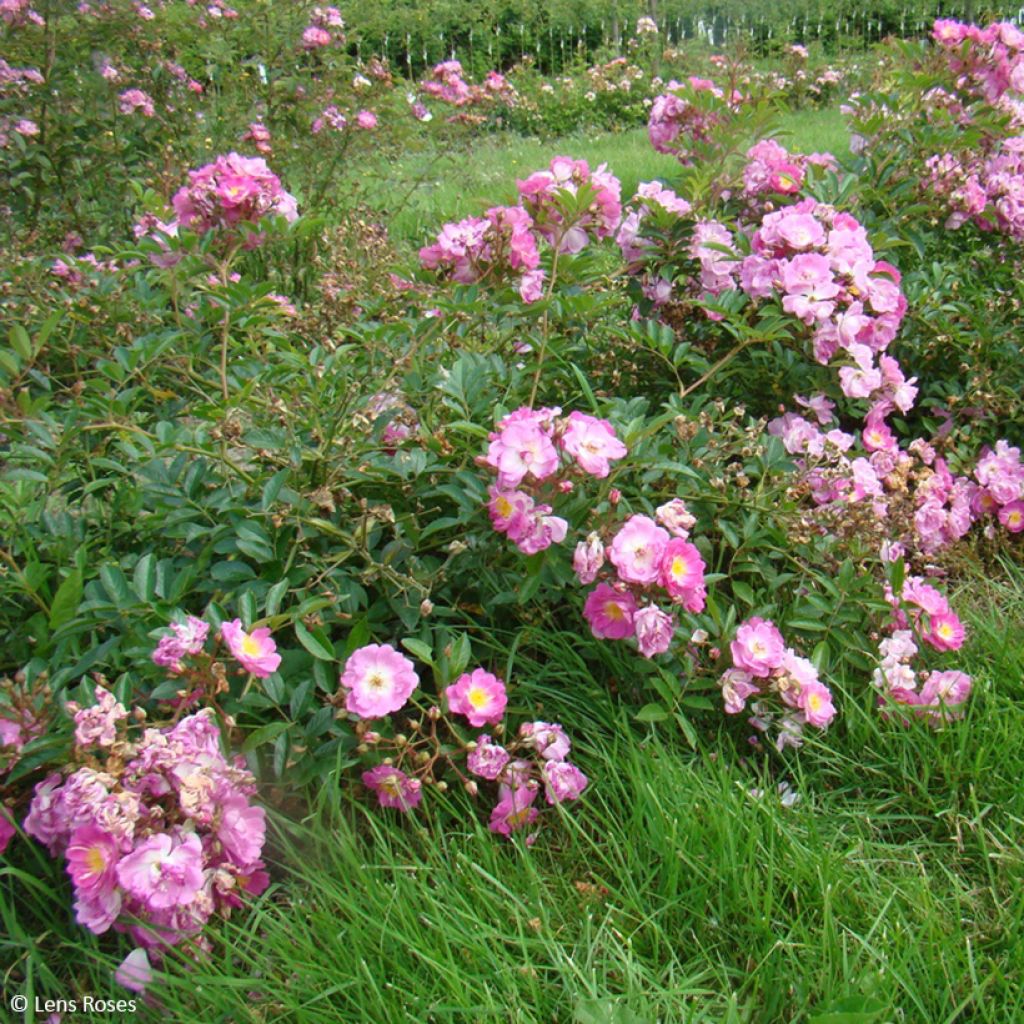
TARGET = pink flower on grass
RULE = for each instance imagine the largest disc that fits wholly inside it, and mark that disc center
(681, 573)
(950, 688)
(563, 781)
(256, 652)
(758, 647)
(134, 972)
(592, 442)
(654, 630)
(379, 681)
(609, 612)
(393, 787)
(637, 550)
(815, 701)
(947, 632)
(514, 811)
(92, 857)
(488, 760)
(1012, 516)
(478, 695)
(163, 873)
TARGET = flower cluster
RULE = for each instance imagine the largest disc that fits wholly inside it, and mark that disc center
(159, 834)
(764, 666)
(771, 169)
(135, 99)
(229, 191)
(989, 61)
(686, 115)
(569, 202)
(921, 614)
(378, 682)
(1000, 477)
(988, 191)
(259, 135)
(325, 28)
(501, 243)
(536, 448)
(652, 560)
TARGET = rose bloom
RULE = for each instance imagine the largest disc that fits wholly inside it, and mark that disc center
(514, 811)
(379, 681)
(610, 613)
(478, 695)
(758, 647)
(256, 652)
(592, 442)
(393, 787)
(654, 630)
(637, 550)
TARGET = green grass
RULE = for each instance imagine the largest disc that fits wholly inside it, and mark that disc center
(450, 186)
(890, 892)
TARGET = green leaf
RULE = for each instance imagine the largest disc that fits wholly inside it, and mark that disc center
(264, 734)
(66, 600)
(144, 577)
(316, 642)
(418, 649)
(275, 595)
(652, 713)
(116, 586)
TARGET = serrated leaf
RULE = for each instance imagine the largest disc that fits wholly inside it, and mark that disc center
(418, 649)
(264, 734)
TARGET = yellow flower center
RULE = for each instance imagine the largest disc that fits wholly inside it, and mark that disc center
(613, 611)
(680, 570)
(251, 647)
(504, 507)
(376, 680)
(815, 701)
(478, 697)
(96, 861)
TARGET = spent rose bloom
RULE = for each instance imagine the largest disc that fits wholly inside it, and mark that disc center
(379, 681)
(737, 686)
(637, 550)
(758, 647)
(563, 781)
(676, 518)
(588, 559)
(393, 787)
(256, 652)
(547, 738)
(654, 630)
(488, 759)
(480, 696)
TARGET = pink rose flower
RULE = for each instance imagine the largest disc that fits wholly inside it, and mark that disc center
(393, 787)
(654, 630)
(379, 681)
(758, 647)
(479, 696)
(609, 612)
(637, 550)
(162, 872)
(256, 652)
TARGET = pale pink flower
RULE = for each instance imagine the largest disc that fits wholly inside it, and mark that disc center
(366, 119)
(592, 442)
(162, 872)
(379, 681)
(98, 724)
(637, 550)
(256, 652)
(949, 688)
(92, 857)
(947, 632)
(758, 647)
(815, 701)
(682, 574)
(242, 829)
(737, 686)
